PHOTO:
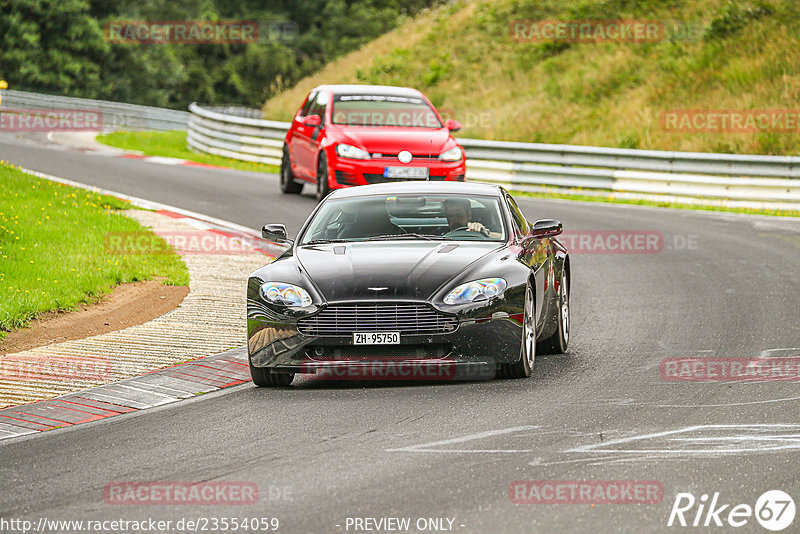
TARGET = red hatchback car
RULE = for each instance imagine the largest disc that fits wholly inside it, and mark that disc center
(346, 135)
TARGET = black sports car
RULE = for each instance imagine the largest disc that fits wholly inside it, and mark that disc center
(414, 274)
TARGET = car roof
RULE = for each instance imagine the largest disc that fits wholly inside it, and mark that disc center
(426, 187)
(356, 89)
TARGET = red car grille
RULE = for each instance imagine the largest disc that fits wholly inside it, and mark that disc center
(346, 178)
(380, 179)
(414, 157)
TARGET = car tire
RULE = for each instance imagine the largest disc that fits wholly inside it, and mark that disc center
(264, 377)
(288, 184)
(527, 350)
(557, 343)
(323, 187)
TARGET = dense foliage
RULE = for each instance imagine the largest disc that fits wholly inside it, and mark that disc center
(59, 47)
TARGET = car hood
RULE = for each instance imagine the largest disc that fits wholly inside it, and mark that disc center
(405, 270)
(418, 141)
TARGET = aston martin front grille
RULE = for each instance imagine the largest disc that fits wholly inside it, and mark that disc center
(344, 319)
(357, 353)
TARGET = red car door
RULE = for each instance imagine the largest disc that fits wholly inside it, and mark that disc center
(299, 141)
(316, 134)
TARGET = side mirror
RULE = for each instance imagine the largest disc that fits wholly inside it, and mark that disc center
(452, 125)
(275, 232)
(546, 228)
(312, 120)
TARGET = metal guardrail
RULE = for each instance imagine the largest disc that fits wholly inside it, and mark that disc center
(213, 131)
(114, 115)
(737, 179)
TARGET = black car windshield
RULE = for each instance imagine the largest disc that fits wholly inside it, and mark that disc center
(383, 110)
(437, 217)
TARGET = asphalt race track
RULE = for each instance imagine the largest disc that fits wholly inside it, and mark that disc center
(321, 452)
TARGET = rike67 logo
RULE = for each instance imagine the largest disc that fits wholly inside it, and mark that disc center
(774, 510)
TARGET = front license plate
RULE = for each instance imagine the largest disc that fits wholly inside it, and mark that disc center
(376, 338)
(418, 173)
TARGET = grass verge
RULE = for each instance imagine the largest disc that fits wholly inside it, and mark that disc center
(173, 145)
(52, 248)
(611, 199)
(468, 58)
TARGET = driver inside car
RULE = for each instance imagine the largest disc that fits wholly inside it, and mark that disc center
(459, 212)
(371, 220)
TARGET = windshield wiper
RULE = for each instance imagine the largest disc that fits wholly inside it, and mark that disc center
(429, 237)
(323, 241)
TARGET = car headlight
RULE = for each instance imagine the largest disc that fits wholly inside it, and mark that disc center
(352, 152)
(476, 291)
(454, 154)
(285, 294)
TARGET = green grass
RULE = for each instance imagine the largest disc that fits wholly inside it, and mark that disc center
(173, 145)
(52, 248)
(610, 198)
(717, 55)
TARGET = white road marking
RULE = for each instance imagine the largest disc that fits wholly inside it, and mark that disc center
(780, 353)
(426, 447)
(539, 462)
(712, 440)
(604, 460)
(162, 160)
(747, 403)
(629, 402)
(748, 440)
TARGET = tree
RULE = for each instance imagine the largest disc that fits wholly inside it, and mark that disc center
(58, 46)
(52, 46)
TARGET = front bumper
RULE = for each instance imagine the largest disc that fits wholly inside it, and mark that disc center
(483, 338)
(349, 172)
